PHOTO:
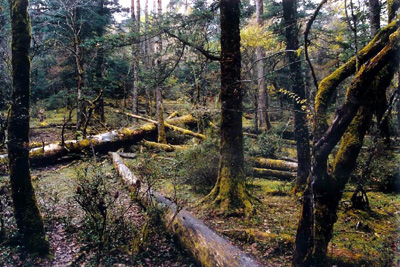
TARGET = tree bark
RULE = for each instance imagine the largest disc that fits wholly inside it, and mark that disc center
(26, 211)
(229, 194)
(262, 109)
(296, 78)
(207, 248)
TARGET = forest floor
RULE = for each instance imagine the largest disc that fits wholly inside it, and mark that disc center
(360, 238)
(71, 232)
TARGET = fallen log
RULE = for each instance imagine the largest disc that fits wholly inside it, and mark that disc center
(173, 115)
(274, 164)
(267, 173)
(127, 155)
(165, 147)
(166, 124)
(207, 248)
(250, 235)
(101, 143)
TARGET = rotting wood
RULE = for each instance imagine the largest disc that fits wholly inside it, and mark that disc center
(207, 247)
(266, 173)
(165, 147)
(166, 124)
(102, 142)
(274, 164)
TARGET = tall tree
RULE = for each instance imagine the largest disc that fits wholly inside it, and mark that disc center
(26, 210)
(297, 84)
(229, 193)
(135, 53)
(162, 137)
(100, 29)
(262, 105)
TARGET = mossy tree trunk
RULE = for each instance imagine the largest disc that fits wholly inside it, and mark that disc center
(262, 112)
(297, 84)
(229, 194)
(26, 210)
(324, 190)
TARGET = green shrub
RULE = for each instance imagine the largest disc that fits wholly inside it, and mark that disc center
(108, 226)
(267, 145)
(199, 165)
(59, 100)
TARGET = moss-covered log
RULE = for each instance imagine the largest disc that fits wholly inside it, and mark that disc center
(208, 248)
(102, 142)
(26, 211)
(165, 147)
(274, 164)
(269, 173)
(250, 235)
(166, 124)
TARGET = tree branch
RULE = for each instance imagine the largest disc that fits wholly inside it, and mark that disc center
(198, 48)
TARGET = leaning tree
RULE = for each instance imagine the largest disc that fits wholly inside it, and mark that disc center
(378, 60)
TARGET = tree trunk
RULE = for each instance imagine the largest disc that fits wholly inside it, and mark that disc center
(262, 109)
(26, 211)
(207, 247)
(393, 6)
(99, 110)
(229, 194)
(324, 190)
(135, 61)
(296, 78)
(162, 137)
(374, 16)
(329, 84)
